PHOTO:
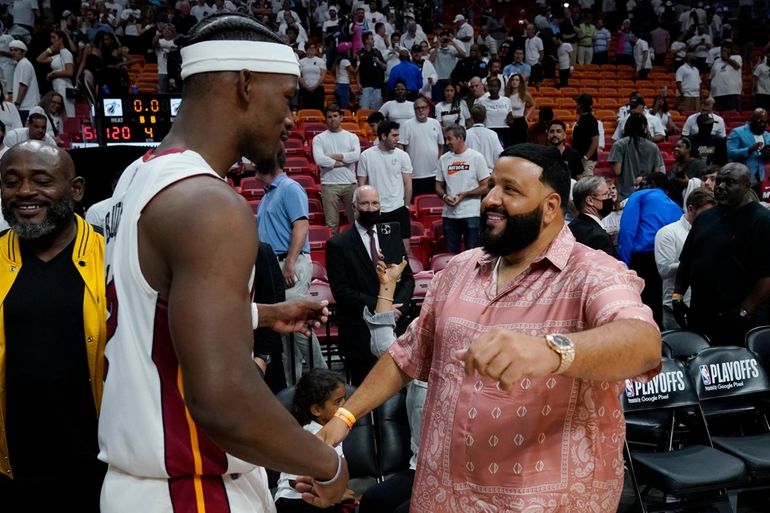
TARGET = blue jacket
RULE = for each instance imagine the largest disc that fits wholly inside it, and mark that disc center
(409, 73)
(646, 212)
(738, 143)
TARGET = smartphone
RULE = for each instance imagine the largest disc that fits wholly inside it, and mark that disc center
(391, 245)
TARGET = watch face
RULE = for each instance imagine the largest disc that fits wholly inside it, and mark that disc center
(561, 341)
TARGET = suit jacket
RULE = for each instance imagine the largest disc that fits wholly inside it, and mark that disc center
(587, 231)
(269, 288)
(354, 283)
(738, 143)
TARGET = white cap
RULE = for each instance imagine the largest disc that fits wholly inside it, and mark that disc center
(459, 17)
(333, 8)
(18, 44)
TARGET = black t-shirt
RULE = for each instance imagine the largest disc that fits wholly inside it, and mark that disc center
(573, 161)
(467, 68)
(50, 409)
(585, 129)
(372, 75)
(711, 149)
(724, 255)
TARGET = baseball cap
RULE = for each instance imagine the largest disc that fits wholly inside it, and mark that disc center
(66, 14)
(18, 44)
(332, 8)
(459, 17)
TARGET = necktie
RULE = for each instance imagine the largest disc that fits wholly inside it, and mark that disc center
(373, 247)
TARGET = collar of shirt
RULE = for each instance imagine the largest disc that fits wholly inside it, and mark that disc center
(276, 182)
(599, 221)
(557, 253)
(365, 236)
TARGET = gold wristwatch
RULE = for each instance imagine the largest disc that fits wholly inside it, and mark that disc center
(565, 348)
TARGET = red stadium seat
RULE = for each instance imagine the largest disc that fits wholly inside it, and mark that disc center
(318, 235)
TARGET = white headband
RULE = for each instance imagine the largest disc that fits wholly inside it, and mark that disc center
(237, 55)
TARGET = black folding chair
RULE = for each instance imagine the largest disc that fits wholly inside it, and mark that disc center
(683, 344)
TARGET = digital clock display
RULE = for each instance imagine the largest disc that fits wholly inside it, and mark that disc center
(137, 119)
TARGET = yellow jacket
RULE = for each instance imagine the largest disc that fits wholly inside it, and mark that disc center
(88, 259)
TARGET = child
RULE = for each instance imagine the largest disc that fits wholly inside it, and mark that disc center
(317, 396)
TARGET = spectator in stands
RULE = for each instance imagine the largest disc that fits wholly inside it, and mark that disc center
(399, 109)
(282, 218)
(725, 262)
(586, 38)
(476, 92)
(371, 74)
(3, 150)
(200, 10)
(592, 199)
(688, 165)
(453, 110)
(634, 155)
(700, 44)
(602, 43)
(444, 55)
(350, 262)
(469, 67)
(498, 110)
(611, 222)
(52, 107)
(623, 46)
(534, 53)
(311, 81)
(423, 140)
(412, 36)
(688, 85)
(522, 105)
(464, 32)
(656, 130)
(183, 20)
(642, 56)
(407, 73)
(342, 69)
(718, 126)
(647, 211)
(726, 79)
(668, 246)
(518, 66)
(564, 55)
(495, 71)
(484, 38)
(764, 186)
(461, 183)
(388, 169)
(392, 57)
(660, 110)
(537, 133)
(708, 147)
(9, 114)
(381, 39)
(317, 398)
(427, 71)
(103, 64)
(750, 144)
(336, 151)
(25, 90)
(25, 13)
(761, 84)
(661, 40)
(557, 134)
(62, 65)
(482, 139)
(34, 131)
(163, 42)
(585, 134)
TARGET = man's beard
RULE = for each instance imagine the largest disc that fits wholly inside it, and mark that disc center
(520, 231)
(59, 214)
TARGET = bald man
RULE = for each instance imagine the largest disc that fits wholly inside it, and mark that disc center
(52, 337)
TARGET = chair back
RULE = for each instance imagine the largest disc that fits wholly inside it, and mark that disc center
(669, 389)
(684, 343)
(393, 435)
(727, 371)
(758, 340)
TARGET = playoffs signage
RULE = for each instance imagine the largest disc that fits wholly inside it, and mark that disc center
(658, 388)
(728, 375)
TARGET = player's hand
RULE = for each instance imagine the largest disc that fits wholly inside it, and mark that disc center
(323, 496)
(506, 356)
(295, 315)
(333, 432)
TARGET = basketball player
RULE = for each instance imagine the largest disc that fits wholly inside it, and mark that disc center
(186, 419)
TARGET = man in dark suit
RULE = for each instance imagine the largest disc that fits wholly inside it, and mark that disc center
(350, 261)
(591, 196)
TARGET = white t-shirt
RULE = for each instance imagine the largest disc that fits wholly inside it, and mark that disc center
(762, 72)
(448, 116)
(690, 126)
(725, 79)
(384, 170)
(342, 142)
(689, 76)
(422, 141)
(343, 77)
(9, 115)
(640, 47)
(311, 69)
(23, 12)
(532, 48)
(20, 135)
(25, 74)
(654, 126)
(485, 141)
(164, 48)
(380, 44)
(465, 30)
(700, 45)
(201, 11)
(564, 55)
(497, 111)
(460, 173)
(679, 49)
(398, 111)
(284, 489)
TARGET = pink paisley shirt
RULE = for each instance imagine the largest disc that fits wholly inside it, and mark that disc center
(551, 444)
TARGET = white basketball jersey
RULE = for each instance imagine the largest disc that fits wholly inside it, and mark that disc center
(145, 430)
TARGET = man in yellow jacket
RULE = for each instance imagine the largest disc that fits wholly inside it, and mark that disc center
(52, 336)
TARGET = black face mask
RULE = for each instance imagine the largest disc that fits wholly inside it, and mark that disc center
(368, 218)
(520, 231)
(608, 205)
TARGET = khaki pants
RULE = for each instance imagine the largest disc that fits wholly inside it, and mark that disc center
(331, 194)
(690, 103)
(585, 54)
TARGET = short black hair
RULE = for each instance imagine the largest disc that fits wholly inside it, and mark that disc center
(555, 173)
(332, 107)
(375, 117)
(559, 122)
(37, 115)
(385, 127)
(546, 114)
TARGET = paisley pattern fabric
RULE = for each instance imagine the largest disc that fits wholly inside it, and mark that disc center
(552, 444)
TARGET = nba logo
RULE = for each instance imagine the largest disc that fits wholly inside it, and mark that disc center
(630, 388)
(705, 374)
